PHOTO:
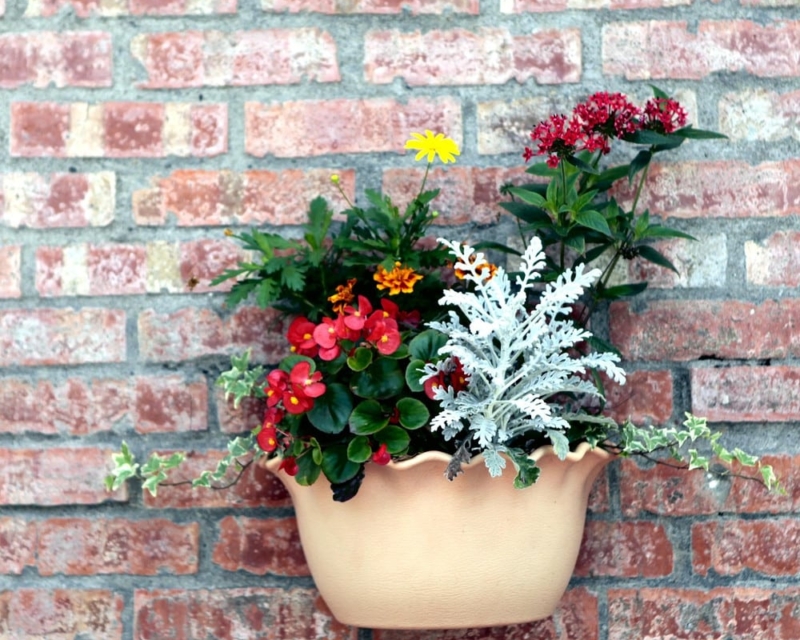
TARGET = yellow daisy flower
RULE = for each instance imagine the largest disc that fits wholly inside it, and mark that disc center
(432, 145)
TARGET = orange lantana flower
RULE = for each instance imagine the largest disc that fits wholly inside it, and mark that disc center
(343, 296)
(398, 280)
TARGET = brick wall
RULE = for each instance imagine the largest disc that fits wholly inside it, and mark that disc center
(135, 131)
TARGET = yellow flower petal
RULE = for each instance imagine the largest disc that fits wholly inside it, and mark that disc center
(432, 145)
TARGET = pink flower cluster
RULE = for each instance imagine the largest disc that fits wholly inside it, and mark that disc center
(594, 123)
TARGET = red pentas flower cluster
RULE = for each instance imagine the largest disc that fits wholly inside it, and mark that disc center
(594, 123)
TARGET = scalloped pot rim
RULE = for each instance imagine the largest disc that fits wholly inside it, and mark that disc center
(580, 452)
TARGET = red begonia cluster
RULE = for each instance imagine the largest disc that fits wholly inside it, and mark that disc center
(594, 123)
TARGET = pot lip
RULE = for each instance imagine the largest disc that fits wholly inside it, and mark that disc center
(581, 451)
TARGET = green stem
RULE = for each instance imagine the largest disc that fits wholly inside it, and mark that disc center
(639, 188)
(424, 179)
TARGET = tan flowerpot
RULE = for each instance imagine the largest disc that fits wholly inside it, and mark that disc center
(414, 551)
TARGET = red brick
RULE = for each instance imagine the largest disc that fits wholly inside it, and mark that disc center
(539, 6)
(646, 397)
(666, 491)
(225, 614)
(599, 497)
(468, 194)
(415, 7)
(61, 613)
(720, 189)
(10, 273)
(61, 336)
(17, 546)
(690, 329)
(256, 488)
(661, 49)
(716, 614)
(766, 547)
(744, 394)
(57, 200)
(576, 618)
(91, 270)
(320, 127)
(75, 546)
(88, 8)
(260, 546)
(39, 129)
(240, 58)
(203, 260)
(488, 56)
(193, 333)
(245, 417)
(50, 477)
(118, 130)
(169, 404)
(66, 58)
(202, 198)
(759, 114)
(625, 550)
(775, 262)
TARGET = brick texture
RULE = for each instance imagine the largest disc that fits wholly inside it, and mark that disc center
(260, 546)
(625, 550)
(416, 7)
(117, 8)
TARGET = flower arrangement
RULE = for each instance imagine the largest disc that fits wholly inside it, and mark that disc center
(399, 344)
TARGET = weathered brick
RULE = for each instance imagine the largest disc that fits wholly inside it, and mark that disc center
(415, 7)
(260, 546)
(667, 491)
(539, 6)
(245, 417)
(728, 548)
(600, 495)
(690, 329)
(720, 189)
(703, 263)
(49, 477)
(488, 56)
(116, 8)
(661, 49)
(80, 407)
(744, 394)
(76, 546)
(646, 397)
(625, 550)
(118, 130)
(61, 336)
(241, 58)
(10, 271)
(576, 617)
(775, 262)
(202, 198)
(61, 613)
(64, 59)
(319, 127)
(57, 200)
(505, 126)
(468, 194)
(256, 487)
(193, 333)
(17, 546)
(125, 269)
(225, 614)
(716, 614)
(759, 114)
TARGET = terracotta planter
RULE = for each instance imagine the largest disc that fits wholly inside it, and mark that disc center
(414, 551)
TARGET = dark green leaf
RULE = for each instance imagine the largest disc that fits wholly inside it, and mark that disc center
(308, 470)
(427, 344)
(526, 212)
(593, 220)
(266, 292)
(413, 374)
(336, 466)
(527, 469)
(658, 93)
(293, 277)
(577, 242)
(595, 252)
(541, 169)
(624, 290)
(583, 166)
(382, 379)
(413, 414)
(641, 225)
(290, 362)
(332, 410)
(649, 137)
(360, 360)
(240, 292)
(641, 160)
(530, 197)
(367, 418)
(396, 439)
(656, 257)
(359, 450)
(344, 491)
(659, 231)
(698, 134)
(482, 246)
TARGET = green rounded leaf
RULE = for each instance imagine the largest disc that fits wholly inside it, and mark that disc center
(367, 418)
(336, 466)
(413, 414)
(332, 409)
(289, 362)
(413, 374)
(382, 379)
(427, 344)
(395, 438)
(308, 470)
(361, 359)
(359, 450)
